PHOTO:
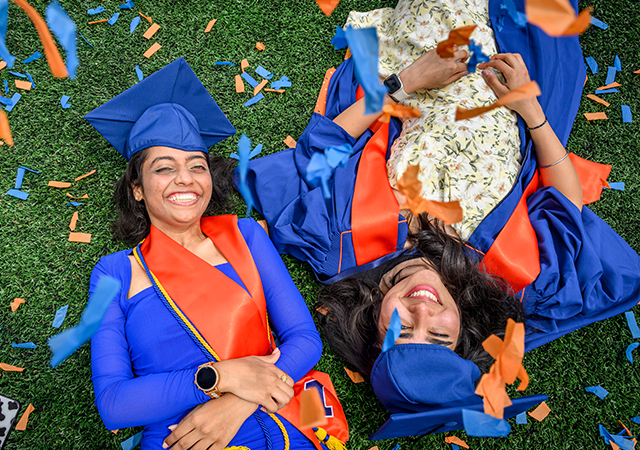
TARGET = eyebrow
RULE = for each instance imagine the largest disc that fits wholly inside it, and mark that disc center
(171, 158)
(428, 339)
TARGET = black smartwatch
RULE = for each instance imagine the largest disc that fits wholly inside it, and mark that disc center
(207, 379)
(394, 86)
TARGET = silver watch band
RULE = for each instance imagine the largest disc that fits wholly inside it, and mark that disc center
(399, 95)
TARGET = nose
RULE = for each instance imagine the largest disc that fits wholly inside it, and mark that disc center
(184, 176)
(423, 312)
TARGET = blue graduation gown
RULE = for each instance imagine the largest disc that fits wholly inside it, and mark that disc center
(588, 273)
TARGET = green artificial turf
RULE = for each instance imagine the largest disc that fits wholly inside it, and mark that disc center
(38, 263)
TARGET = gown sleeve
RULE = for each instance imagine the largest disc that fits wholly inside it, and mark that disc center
(300, 346)
(123, 399)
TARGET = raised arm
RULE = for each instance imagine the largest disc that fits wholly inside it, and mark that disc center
(556, 169)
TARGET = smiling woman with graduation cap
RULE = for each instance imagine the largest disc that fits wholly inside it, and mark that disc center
(198, 293)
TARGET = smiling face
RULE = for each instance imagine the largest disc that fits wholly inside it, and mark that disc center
(176, 187)
(427, 311)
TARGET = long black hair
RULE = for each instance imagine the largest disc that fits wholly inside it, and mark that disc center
(133, 223)
(485, 302)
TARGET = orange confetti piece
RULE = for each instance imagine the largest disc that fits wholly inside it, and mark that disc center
(327, 6)
(88, 174)
(557, 17)
(151, 31)
(10, 368)
(311, 409)
(595, 98)
(59, 184)
(625, 428)
(527, 90)
(456, 440)
(98, 21)
(321, 102)
(615, 84)
(260, 46)
(80, 237)
(291, 142)
(146, 17)
(26, 85)
(154, 48)
(374, 448)
(210, 25)
(115, 431)
(244, 64)
(5, 129)
(323, 310)
(3, 64)
(355, 376)
(492, 389)
(595, 116)
(397, 110)
(459, 36)
(22, 424)
(348, 54)
(16, 303)
(85, 196)
(637, 71)
(614, 446)
(74, 221)
(259, 87)
(239, 84)
(277, 91)
(541, 412)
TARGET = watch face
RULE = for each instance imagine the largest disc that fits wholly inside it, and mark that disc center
(206, 378)
(393, 83)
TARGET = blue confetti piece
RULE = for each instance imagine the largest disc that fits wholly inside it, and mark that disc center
(479, 424)
(630, 349)
(500, 24)
(6, 86)
(249, 79)
(617, 185)
(94, 11)
(282, 82)
(4, 17)
(139, 73)
(633, 325)
(264, 73)
(5, 100)
(254, 100)
(134, 24)
(626, 114)
(14, 101)
(113, 19)
(338, 156)
(454, 447)
(64, 102)
(393, 332)
(318, 173)
(64, 29)
(33, 57)
(132, 442)
(363, 43)
(598, 390)
(17, 74)
(244, 152)
(477, 56)
(20, 176)
(624, 442)
(64, 344)
(611, 75)
(24, 345)
(60, 315)
(598, 23)
(85, 39)
(606, 91)
(74, 203)
(256, 151)
(519, 18)
(339, 40)
(224, 63)
(593, 65)
(521, 419)
(617, 64)
(128, 5)
(33, 84)
(397, 447)
(635, 419)
(17, 194)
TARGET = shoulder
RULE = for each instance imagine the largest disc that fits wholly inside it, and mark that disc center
(115, 265)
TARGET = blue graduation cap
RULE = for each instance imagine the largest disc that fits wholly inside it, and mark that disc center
(170, 108)
(426, 387)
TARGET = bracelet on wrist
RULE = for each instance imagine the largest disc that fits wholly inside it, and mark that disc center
(539, 126)
(566, 153)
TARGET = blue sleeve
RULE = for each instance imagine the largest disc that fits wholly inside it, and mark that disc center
(124, 399)
(301, 346)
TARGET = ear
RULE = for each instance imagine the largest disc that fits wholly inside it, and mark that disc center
(137, 192)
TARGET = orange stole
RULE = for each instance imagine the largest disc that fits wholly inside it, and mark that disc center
(232, 322)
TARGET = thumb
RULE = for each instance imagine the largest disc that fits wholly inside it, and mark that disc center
(495, 84)
(272, 358)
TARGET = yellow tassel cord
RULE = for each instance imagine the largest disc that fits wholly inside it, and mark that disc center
(236, 448)
(331, 442)
(285, 435)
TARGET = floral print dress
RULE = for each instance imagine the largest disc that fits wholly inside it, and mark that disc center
(475, 161)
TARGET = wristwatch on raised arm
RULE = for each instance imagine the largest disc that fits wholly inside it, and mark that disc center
(394, 86)
(207, 379)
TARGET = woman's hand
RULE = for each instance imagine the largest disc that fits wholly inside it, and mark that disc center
(211, 425)
(432, 71)
(516, 74)
(257, 380)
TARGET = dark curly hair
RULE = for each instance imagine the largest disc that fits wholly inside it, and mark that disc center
(485, 302)
(133, 222)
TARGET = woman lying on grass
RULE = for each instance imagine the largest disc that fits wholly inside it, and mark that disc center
(198, 293)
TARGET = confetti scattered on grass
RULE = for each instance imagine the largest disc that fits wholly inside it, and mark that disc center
(154, 48)
(61, 313)
(210, 25)
(59, 184)
(113, 19)
(15, 304)
(633, 324)
(541, 412)
(239, 84)
(134, 24)
(64, 102)
(630, 349)
(254, 100)
(598, 390)
(74, 221)
(94, 11)
(626, 114)
(24, 420)
(356, 377)
(260, 46)
(10, 368)
(80, 237)
(595, 116)
(31, 58)
(151, 31)
(595, 98)
(24, 345)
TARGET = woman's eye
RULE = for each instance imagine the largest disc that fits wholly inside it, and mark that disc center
(444, 336)
(162, 169)
(199, 168)
(404, 327)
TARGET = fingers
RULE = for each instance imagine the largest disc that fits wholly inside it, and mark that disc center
(460, 55)
(495, 84)
(502, 66)
(187, 441)
(177, 432)
(456, 77)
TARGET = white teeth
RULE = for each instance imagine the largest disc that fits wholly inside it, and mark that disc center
(183, 198)
(425, 293)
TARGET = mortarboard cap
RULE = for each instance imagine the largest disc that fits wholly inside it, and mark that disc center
(170, 108)
(426, 387)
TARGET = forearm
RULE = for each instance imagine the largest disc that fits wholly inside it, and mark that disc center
(353, 119)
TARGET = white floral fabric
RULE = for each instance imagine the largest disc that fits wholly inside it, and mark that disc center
(475, 161)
